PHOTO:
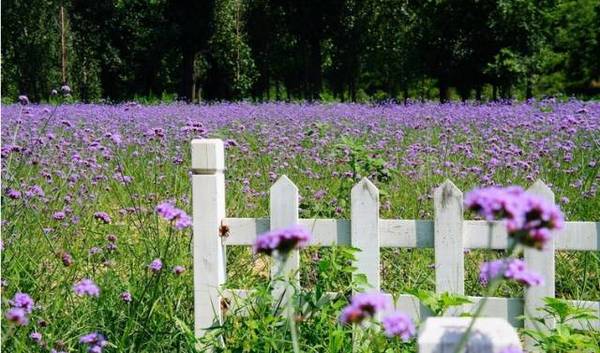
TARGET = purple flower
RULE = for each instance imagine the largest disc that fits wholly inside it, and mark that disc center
(512, 349)
(103, 217)
(94, 341)
(13, 194)
(364, 305)
(398, 324)
(511, 269)
(517, 270)
(126, 297)
(86, 287)
(529, 219)
(282, 240)
(17, 316)
(178, 270)
(58, 216)
(66, 258)
(36, 337)
(490, 270)
(155, 265)
(22, 301)
(172, 213)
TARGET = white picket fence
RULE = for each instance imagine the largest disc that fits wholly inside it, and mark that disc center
(448, 234)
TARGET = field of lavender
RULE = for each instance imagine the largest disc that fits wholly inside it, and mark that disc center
(82, 235)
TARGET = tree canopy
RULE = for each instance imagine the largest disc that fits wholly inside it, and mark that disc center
(308, 49)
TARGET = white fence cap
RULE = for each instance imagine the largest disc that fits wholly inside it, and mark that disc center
(489, 335)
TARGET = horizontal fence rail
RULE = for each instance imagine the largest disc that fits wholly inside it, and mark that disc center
(367, 232)
(405, 233)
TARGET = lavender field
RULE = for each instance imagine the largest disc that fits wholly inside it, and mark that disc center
(81, 184)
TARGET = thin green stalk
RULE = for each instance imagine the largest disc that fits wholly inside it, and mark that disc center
(493, 286)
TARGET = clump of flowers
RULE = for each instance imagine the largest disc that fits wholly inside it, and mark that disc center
(103, 217)
(529, 219)
(363, 306)
(511, 269)
(86, 287)
(126, 297)
(282, 240)
(156, 265)
(398, 324)
(94, 341)
(21, 306)
(171, 213)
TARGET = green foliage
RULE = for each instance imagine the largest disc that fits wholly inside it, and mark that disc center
(563, 338)
(373, 50)
(438, 304)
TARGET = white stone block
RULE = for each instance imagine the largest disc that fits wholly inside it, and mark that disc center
(489, 335)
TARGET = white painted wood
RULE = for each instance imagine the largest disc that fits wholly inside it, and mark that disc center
(505, 308)
(541, 262)
(365, 231)
(582, 236)
(208, 156)
(283, 207)
(489, 335)
(406, 233)
(208, 202)
(448, 239)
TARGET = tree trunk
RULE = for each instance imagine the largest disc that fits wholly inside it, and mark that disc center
(443, 88)
(187, 79)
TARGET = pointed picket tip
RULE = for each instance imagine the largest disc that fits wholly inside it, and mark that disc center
(540, 188)
(365, 184)
(284, 183)
(447, 188)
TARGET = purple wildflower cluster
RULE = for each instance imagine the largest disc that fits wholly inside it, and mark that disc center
(86, 287)
(511, 269)
(156, 265)
(529, 219)
(282, 240)
(21, 306)
(103, 217)
(94, 341)
(171, 213)
(365, 305)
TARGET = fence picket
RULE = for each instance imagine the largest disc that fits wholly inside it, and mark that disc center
(448, 239)
(283, 207)
(448, 234)
(541, 262)
(208, 201)
(364, 230)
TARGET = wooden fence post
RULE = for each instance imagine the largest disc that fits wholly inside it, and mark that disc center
(541, 262)
(283, 207)
(448, 239)
(364, 231)
(208, 202)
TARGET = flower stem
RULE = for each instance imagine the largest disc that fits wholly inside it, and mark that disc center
(493, 286)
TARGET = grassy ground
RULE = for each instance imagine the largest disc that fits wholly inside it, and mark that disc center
(81, 155)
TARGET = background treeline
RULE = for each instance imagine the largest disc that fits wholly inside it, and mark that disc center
(302, 49)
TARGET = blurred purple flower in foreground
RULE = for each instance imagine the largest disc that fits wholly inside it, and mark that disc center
(364, 305)
(17, 316)
(514, 269)
(398, 324)
(283, 240)
(512, 349)
(529, 218)
(22, 301)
